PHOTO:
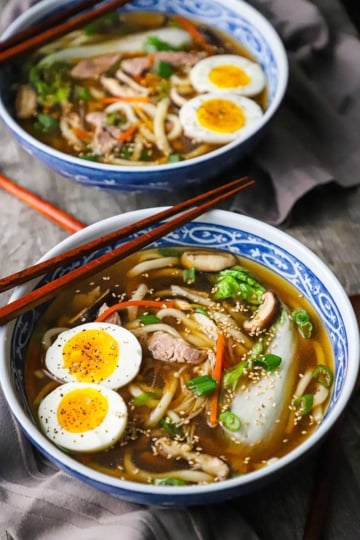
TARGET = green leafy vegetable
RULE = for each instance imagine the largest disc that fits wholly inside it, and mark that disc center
(323, 375)
(52, 83)
(230, 420)
(45, 123)
(174, 158)
(237, 282)
(164, 69)
(82, 93)
(202, 385)
(154, 44)
(302, 320)
(232, 375)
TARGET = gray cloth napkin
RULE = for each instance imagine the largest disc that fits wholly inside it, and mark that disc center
(312, 141)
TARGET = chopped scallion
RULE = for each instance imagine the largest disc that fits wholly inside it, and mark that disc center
(164, 69)
(323, 375)
(189, 275)
(170, 481)
(171, 429)
(304, 404)
(149, 319)
(269, 362)
(144, 398)
(302, 320)
(230, 421)
(202, 385)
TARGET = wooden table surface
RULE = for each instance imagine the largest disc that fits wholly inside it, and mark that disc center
(327, 221)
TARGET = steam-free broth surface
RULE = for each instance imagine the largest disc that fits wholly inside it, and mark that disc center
(140, 88)
(221, 367)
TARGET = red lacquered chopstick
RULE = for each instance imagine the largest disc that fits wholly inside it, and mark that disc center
(36, 28)
(45, 208)
(46, 32)
(48, 291)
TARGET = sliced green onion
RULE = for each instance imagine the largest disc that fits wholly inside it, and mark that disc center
(230, 420)
(144, 398)
(269, 362)
(171, 429)
(304, 403)
(174, 158)
(189, 275)
(323, 375)
(149, 319)
(168, 252)
(200, 309)
(164, 69)
(82, 93)
(302, 320)
(153, 44)
(170, 481)
(45, 123)
(202, 385)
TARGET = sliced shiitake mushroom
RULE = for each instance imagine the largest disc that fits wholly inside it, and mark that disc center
(207, 262)
(25, 102)
(264, 315)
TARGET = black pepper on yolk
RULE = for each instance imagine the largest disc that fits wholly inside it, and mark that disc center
(91, 355)
(82, 410)
(221, 115)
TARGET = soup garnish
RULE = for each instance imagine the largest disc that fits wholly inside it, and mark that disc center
(150, 89)
(213, 365)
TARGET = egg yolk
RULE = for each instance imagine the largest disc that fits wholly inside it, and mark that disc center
(82, 410)
(220, 115)
(228, 76)
(90, 355)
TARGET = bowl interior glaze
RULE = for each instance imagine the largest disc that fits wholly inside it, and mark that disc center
(255, 241)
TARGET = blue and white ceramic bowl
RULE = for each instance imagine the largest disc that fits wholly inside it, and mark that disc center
(235, 17)
(254, 240)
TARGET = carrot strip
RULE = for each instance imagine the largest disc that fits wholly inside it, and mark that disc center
(217, 372)
(128, 133)
(194, 32)
(130, 303)
(81, 133)
(127, 99)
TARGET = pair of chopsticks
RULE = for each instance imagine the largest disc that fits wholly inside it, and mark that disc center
(64, 21)
(187, 210)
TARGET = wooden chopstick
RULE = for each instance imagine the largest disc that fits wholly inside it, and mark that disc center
(49, 290)
(61, 16)
(38, 269)
(45, 208)
(43, 33)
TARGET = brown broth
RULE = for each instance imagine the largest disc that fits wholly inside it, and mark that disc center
(182, 147)
(153, 374)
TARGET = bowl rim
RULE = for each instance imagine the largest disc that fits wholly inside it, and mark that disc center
(225, 218)
(43, 6)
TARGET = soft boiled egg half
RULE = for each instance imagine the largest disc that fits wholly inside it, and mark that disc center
(228, 73)
(219, 118)
(83, 417)
(95, 352)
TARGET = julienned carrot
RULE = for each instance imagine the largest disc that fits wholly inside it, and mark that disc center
(125, 99)
(133, 303)
(194, 32)
(81, 133)
(217, 372)
(128, 133)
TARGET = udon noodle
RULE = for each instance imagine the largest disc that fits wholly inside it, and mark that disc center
(140, 88)
(180, 366)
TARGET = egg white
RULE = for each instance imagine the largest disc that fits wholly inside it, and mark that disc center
(104, 435)
(201, 72)
(194, 130)
(128, 360)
